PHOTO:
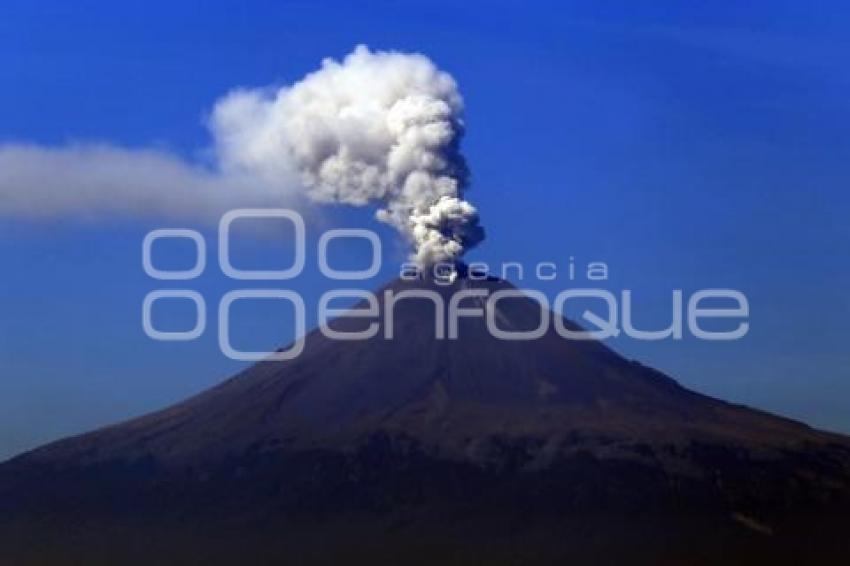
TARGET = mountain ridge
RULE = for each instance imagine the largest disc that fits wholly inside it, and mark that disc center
(444, 437)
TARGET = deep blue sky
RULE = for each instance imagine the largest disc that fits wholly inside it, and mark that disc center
(688, 145)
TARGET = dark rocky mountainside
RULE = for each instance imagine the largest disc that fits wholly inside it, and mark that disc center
(420, 450)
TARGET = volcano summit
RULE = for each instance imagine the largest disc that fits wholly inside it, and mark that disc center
(415, 450)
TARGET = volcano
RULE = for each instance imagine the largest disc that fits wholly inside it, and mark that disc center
(418, 450)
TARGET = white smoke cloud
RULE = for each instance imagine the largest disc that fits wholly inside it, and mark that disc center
(445, 230)
(378, 128)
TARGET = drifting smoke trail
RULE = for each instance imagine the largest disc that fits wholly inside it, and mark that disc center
(378, 128)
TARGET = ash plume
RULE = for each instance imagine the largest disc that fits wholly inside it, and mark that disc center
(377, 128)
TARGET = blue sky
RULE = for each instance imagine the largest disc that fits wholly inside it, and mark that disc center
(687, 145)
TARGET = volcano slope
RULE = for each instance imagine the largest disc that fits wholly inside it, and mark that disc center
(418, 450)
